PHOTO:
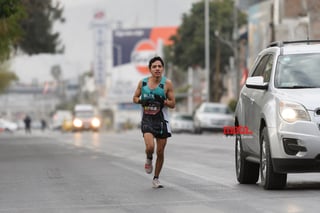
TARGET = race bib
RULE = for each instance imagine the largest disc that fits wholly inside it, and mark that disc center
(152, 108)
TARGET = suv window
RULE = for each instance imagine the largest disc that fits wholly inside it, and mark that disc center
(264, 68)
(298, 71)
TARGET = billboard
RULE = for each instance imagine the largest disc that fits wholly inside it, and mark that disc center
(131, 52)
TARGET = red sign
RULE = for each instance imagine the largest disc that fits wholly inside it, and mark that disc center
(236, 130)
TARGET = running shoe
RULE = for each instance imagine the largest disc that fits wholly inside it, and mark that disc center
(148, 166)
(156, 183)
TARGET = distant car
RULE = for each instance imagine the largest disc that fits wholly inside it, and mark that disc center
(181, 122)
(85, 118)
(59, 117)
(212, 116)
(67, 125)
(280, 106)
(8, 126)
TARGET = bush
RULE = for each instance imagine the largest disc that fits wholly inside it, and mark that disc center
(232, 104)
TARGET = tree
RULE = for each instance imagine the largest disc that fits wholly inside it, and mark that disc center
(6, 77)
(8, 8)
(11, 13)
(188, 45)
(27, 25)
(37, 27)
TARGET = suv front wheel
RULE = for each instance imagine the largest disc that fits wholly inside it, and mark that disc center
(269, 178)
(247, 172)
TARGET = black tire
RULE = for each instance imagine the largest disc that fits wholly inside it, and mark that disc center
(247, 172)
(269, 178)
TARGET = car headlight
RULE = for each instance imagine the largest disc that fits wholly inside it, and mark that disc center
(77, 123)
(95, 122)
(292, 112)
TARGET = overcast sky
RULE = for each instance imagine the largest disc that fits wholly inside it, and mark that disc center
(77, 36)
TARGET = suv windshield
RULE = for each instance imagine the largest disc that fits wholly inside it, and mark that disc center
(298, 71)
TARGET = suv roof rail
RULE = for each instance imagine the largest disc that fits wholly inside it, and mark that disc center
(282, 43)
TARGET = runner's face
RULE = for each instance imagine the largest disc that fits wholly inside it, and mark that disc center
(156, 69)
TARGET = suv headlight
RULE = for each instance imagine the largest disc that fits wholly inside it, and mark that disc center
(292, 112)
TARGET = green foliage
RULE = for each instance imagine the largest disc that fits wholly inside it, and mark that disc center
(11, 13)
(37, 27)
(10, 30)
(26, 25)
(232, 104)
(189, 45)
(6, 77)
(8, 8)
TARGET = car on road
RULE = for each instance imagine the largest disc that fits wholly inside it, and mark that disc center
(8, 126)
(59, 117)
(280, 105)
(67, 125)
(182, 122)
(212, 116)
(85, 118)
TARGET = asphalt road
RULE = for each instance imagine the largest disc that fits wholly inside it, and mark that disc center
(103, 172)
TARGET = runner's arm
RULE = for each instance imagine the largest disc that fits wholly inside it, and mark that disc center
(171, 100)
(137, 93)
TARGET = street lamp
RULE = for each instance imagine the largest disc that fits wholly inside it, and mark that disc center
(235, 46)
(207, 50)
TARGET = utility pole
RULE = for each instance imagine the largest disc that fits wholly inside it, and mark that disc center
(216, 86)
(207, 50)
(235, 47)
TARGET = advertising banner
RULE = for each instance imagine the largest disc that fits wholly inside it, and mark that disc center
(132, 49)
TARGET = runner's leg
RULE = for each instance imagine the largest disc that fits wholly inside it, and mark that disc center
(149, 141)
(161, 144)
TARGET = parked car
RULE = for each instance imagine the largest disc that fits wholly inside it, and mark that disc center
(182, 122)
(8, 126)
(280, 106)
(212, 116)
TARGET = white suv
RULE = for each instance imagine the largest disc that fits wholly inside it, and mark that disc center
(280, 106)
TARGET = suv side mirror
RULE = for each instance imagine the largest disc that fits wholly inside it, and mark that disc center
(256, 82)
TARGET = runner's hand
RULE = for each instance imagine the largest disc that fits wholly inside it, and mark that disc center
(159, 99)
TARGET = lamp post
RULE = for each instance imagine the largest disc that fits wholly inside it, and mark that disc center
(207, 50)
(235, 47)
(216, 86)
